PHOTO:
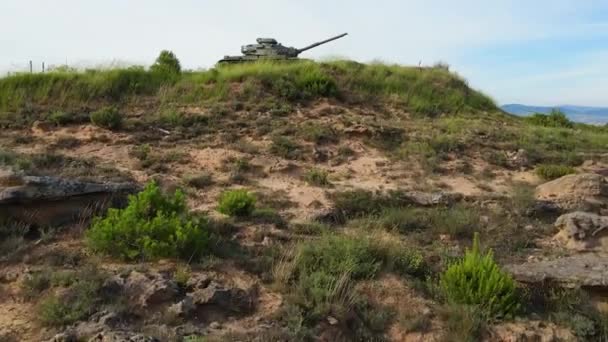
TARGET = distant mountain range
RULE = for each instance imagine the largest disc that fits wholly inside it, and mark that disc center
(591, 115)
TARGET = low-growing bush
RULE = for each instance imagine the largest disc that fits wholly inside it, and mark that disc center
(285, 147)
(78, 302)
(107, 117)
(323, 271)
(317, 177)
(462, 323)
(550, 172)
(239, 203)
(478, 280)
(153, 225)
(269, 216)
(554, 119)
(201, 180)
(60, 118)
(319, 134)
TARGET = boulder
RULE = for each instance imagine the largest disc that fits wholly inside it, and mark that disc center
(585, 269)
(50, 200)
(585, 191)
(183, 308)
(228, 298)
(582, 231)
(149, 290)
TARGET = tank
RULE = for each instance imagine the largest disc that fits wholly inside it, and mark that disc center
(270, 49)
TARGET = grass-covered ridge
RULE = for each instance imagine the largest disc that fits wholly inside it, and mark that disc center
(418, 90)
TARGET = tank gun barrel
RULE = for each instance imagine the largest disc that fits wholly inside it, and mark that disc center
(320, 43)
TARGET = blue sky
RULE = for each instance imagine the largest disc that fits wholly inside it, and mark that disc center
(535, 52)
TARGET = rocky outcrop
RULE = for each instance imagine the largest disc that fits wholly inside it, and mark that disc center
(586, 269)
(524, 331)
(585, 191)
(583, 231)
(50, 200)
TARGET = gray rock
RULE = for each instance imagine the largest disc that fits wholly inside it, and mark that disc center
(183, 308)
(585, 191)
(49, 200)
(231, 298)
(151, 289)
(588, 269)
(583, 231)
(122, 336)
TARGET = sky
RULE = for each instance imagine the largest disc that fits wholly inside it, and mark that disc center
(541, 52)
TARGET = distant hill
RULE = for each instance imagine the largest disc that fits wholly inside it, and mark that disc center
(593, 115)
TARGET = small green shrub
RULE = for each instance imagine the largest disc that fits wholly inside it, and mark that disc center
(153, 225)
(182, 275)
(107, 117)
(317, 177)
(76, 304)
(550, 172)
(35, 284)
(239, 203)
(323, 270)
(477, 280)
(310, 228)
(268, 215)
(554, 119)
(60, 118)
(285, 147)
(462, 323)
(201, 180)
(172, 118)
(319, 134)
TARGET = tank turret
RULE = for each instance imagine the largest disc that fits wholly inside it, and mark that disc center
(270, 49)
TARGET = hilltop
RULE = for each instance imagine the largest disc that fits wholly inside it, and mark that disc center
(316, 201)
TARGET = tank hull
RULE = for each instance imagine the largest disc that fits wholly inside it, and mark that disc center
(248, 59)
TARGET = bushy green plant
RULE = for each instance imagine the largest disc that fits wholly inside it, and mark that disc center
(78, 301)
(317, 177)
(200, 181)
(238, 203)
(61, 118)
(550, 172)
(554, 119)
(107, 117)
(153, 225)
(319, 134)
(323, 270)
(478, 280)
(166, 62)
(285, 147)
(76, 304)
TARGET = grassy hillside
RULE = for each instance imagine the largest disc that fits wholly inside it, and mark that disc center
(425, 91)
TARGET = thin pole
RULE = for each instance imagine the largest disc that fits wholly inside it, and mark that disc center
(31, 67)
(43, 67)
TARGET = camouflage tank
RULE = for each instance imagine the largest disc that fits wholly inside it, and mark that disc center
(270, 49)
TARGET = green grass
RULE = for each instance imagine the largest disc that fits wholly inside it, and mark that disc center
(427, 91)
(458, 221)
(550, 172)
(317, 177)
(107, 117)
(80, 300)
(238, 203)
(321, 275)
